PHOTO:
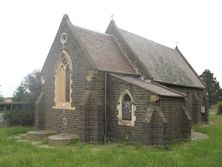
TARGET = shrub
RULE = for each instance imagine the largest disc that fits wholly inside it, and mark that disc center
(219, 108)
(19, 117)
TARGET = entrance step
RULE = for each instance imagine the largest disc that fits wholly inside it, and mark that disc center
(62, 139)
(38, 135)
(22, 136)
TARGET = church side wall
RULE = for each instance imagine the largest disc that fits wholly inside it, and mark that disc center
(150, 125)
(194, 105)
(177, 122)
(122, 132)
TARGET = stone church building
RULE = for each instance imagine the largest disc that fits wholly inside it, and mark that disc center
(118, 86)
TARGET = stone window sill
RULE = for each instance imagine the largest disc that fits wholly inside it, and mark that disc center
(64, 107)
(126, 122)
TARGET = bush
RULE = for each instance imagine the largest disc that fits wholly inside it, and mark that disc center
(219, 108)
(19, 117)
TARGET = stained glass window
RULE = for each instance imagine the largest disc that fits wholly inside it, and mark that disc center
(126, 107)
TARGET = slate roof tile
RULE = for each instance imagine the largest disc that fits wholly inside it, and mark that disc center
(165, 64)
(153, 87)
(104, 52)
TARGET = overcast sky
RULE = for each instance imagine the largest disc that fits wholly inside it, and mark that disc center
(28, 29)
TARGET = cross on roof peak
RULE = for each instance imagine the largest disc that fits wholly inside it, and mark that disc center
(177, 43)
(112, 16)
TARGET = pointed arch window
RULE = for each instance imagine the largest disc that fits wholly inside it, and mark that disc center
(63, 81)
(67, 82)
(126, 109)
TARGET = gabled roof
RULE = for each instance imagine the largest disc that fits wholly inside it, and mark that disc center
(104, 52)
(152, 87)
(163, 63)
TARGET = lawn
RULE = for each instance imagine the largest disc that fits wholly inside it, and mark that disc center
(197, 154)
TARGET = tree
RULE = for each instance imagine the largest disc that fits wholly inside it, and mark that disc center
(29, 89)
(33, 84)
(28, 92)
(21, 94)
(1, 98)
(212, 86)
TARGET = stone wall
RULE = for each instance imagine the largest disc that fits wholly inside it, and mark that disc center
(87, 119)
(156, 123)
(196, 98)
(91, 118)
(59, 119)
(131, 133)
(178, 123)
(84, 78)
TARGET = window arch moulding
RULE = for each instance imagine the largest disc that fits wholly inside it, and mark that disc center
(63, 82)
(126, 109)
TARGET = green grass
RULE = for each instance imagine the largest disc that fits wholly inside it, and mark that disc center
(191, 154)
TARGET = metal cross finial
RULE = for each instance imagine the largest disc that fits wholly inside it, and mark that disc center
(177, 43)
(112, 16)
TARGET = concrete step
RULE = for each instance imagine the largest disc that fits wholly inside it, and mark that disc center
(22, 136)
(62, 139)
(38, 135)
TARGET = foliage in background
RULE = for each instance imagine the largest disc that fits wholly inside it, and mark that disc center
(27, 92)
(1, 98)
(219, 108)
(21, 94)
(23, 117)
(29, 88)
(212, 86)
